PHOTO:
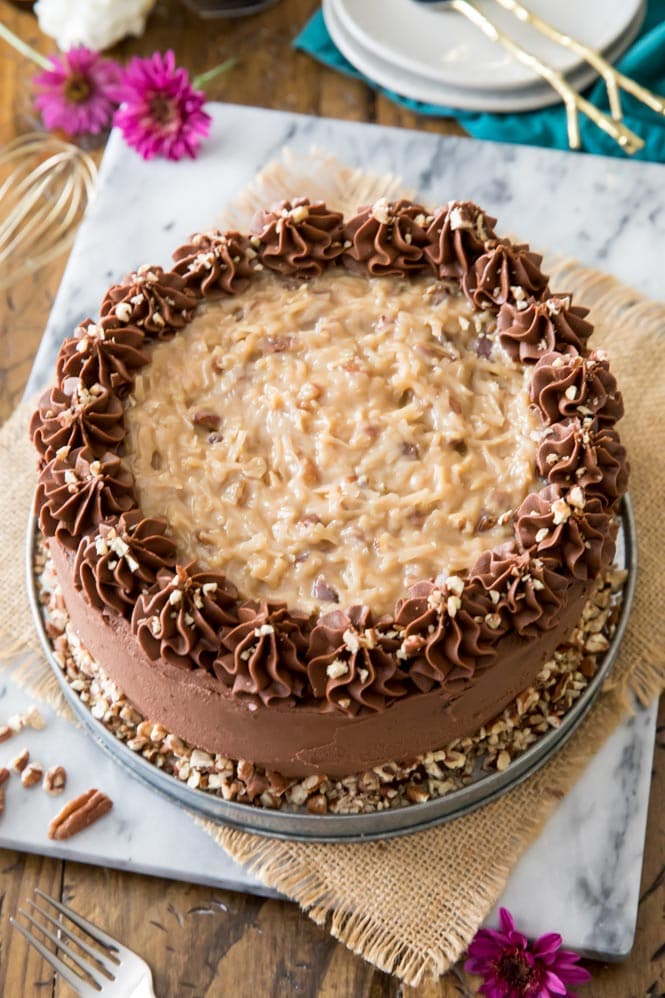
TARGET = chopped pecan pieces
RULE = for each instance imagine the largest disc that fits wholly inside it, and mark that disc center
(5, 732)
(209, 420)
(276, 344)
(34, 719)
(321, 590)
(55, 779)
(32, 774)
(4, 775)
(486, 521)
(21, 761)
(79, 814)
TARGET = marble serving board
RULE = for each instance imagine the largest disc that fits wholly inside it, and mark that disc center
(581, 877)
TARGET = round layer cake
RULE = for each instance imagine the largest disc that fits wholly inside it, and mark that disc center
(330, 493)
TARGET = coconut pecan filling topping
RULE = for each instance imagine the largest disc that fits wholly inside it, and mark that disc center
(336, 440)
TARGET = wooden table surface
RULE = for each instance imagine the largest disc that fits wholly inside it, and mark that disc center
(198, 941)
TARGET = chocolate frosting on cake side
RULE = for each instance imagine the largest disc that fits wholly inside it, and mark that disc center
(298, 739)
(341, 692)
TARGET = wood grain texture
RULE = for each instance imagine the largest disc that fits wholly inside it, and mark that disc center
(202, 942)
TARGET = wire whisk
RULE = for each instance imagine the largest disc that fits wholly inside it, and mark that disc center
(45, 187)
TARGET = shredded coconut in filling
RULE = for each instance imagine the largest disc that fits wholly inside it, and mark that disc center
(335, 440)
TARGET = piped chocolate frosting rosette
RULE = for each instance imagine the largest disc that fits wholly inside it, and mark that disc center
(156, 300)
(213, 264)
(575, 452)
(456, 235)
(74, 415)
(352, 665)
(564, 386)
(122, 558)
(297, 237)
(527, 329)
(387, 238)
(567, 528)
(504, 272)
(109, 358)
(264, 655)
(525, 588)
(181, 617)
(78, 490)
(448, 632)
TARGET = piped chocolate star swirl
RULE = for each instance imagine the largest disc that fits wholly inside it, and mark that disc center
(264, 655)
(457, 234)
(387, 238)
(77, 491)
(504, 272)
(122, 558)
(564, 386)
(527, 329)
(108, 358)
(181, 617)
(156, 300)
(297, 237)
(215, 263)
(74, 415)
(449, 631)
(352, 664)
(575, 452)
(525, 589)
(567, 528)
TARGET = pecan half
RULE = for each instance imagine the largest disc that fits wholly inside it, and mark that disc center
(79, 814)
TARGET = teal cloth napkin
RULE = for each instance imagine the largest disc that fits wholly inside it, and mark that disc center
(644, 62)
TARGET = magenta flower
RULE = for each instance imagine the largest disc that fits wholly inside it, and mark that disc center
(511, 968)
(78, 92)
(161, 113)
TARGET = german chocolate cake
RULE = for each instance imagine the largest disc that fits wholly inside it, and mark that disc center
(328, 495)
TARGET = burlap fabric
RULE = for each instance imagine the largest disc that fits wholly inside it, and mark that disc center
(411, 905)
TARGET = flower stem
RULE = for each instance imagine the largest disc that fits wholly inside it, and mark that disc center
(23, 48)
(200, 81)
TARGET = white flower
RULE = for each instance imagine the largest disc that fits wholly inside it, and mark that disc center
(98, 24)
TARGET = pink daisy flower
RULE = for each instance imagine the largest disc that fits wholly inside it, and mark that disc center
(79, 92)
(510, 968)
(161, 114)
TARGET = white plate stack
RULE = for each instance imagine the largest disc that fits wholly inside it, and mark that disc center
(431, 53)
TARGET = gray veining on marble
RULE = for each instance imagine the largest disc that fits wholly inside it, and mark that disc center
(144, 832)
(582, 876)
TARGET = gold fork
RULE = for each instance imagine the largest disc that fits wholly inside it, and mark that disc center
(574, 103)
(613, 79)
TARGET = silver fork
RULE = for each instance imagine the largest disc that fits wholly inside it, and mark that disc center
(116, 970)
